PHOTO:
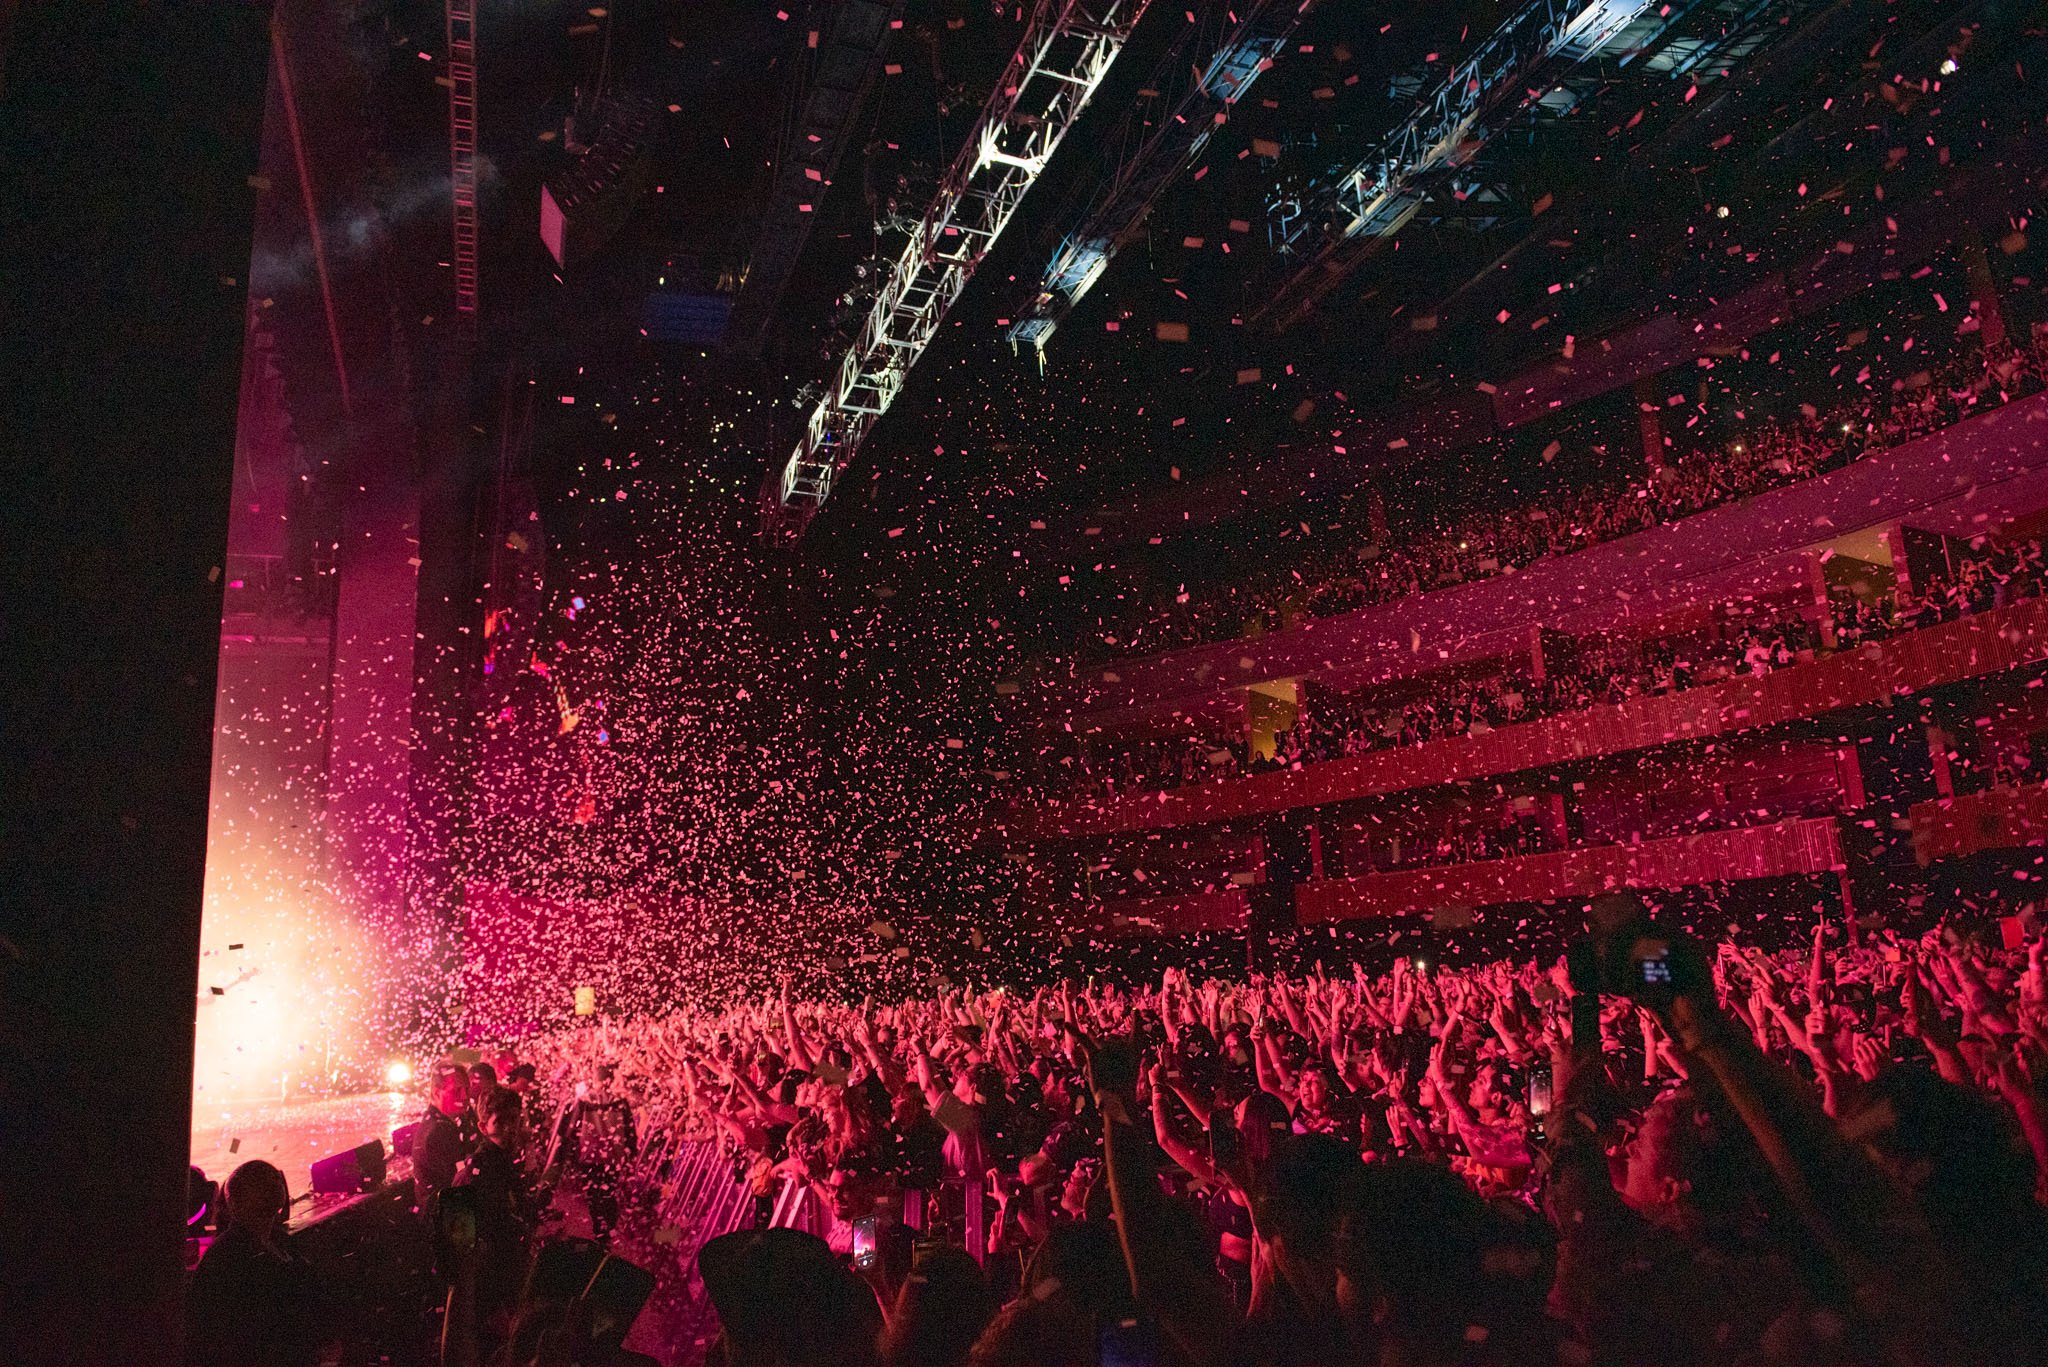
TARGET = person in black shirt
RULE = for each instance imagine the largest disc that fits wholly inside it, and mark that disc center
(503, 1214)
(252, 1301)
(600, 1143)
(438, 1148)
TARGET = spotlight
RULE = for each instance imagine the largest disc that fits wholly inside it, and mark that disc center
(1948, 66)
(398, 1074)
(1721, 211)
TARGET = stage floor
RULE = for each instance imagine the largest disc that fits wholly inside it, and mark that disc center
(294, 1134)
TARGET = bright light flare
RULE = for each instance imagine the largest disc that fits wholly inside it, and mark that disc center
(398, 1074)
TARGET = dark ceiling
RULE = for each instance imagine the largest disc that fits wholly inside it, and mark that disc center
(1741, 138)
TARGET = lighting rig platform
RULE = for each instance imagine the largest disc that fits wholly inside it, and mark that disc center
(1067, 49)
(1212, 76)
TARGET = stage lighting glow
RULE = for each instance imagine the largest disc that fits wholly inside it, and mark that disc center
(1948, 66)
(398, 1074)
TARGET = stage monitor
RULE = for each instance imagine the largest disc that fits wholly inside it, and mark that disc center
(359, 1169)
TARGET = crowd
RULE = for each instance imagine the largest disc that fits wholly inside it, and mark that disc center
(1648, 1151)
(1338, 727)
(1486, 542)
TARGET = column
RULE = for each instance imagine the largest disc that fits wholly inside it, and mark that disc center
(1983, 290)
(1823, 607)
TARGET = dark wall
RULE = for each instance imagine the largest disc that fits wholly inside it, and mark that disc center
(130, 132)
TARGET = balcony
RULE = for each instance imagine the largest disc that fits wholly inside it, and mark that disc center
(1804, 846)
(1992, 642)
(1961, 481)
(2003, 818)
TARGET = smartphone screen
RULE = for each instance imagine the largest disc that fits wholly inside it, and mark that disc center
(867, 1253)
(1539, 1093)
(1657, 969)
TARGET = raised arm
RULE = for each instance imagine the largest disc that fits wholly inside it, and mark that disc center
(1170, 1276)
(1194, 1163)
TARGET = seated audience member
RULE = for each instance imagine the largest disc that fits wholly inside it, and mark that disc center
(253, 1302)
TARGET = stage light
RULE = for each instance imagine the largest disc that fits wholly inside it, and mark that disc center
(398, 1074)
(1721, 211)
(1948, 66)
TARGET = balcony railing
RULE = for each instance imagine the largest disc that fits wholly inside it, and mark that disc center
(1805, 845)
(1992, 642)
(2002, 818)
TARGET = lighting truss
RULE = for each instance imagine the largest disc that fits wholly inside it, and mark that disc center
(1259, 31)
(1373, 199)
(1067, 49)
(462, 150)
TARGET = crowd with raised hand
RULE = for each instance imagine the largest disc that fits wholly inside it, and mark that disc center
(1645, 1151)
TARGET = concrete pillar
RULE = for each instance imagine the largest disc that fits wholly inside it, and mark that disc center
(1894, 538)
(1938, 745)
(1823, 608)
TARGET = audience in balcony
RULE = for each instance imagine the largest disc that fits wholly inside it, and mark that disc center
(1486, 543)
(1604, 674)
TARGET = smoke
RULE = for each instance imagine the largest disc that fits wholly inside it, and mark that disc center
(356, 234)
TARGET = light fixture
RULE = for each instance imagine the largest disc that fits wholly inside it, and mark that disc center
(1948, 66)
(397, 1074)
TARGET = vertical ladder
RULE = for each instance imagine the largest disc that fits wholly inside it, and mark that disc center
(462, 151)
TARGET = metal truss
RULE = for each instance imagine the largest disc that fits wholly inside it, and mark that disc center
(1375, 198)
(462, 151)
(1067, 49)
(1259, 30)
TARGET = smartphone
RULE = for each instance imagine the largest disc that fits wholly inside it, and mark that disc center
(1539, 1093)
(867, 1249)
(1656, 968)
